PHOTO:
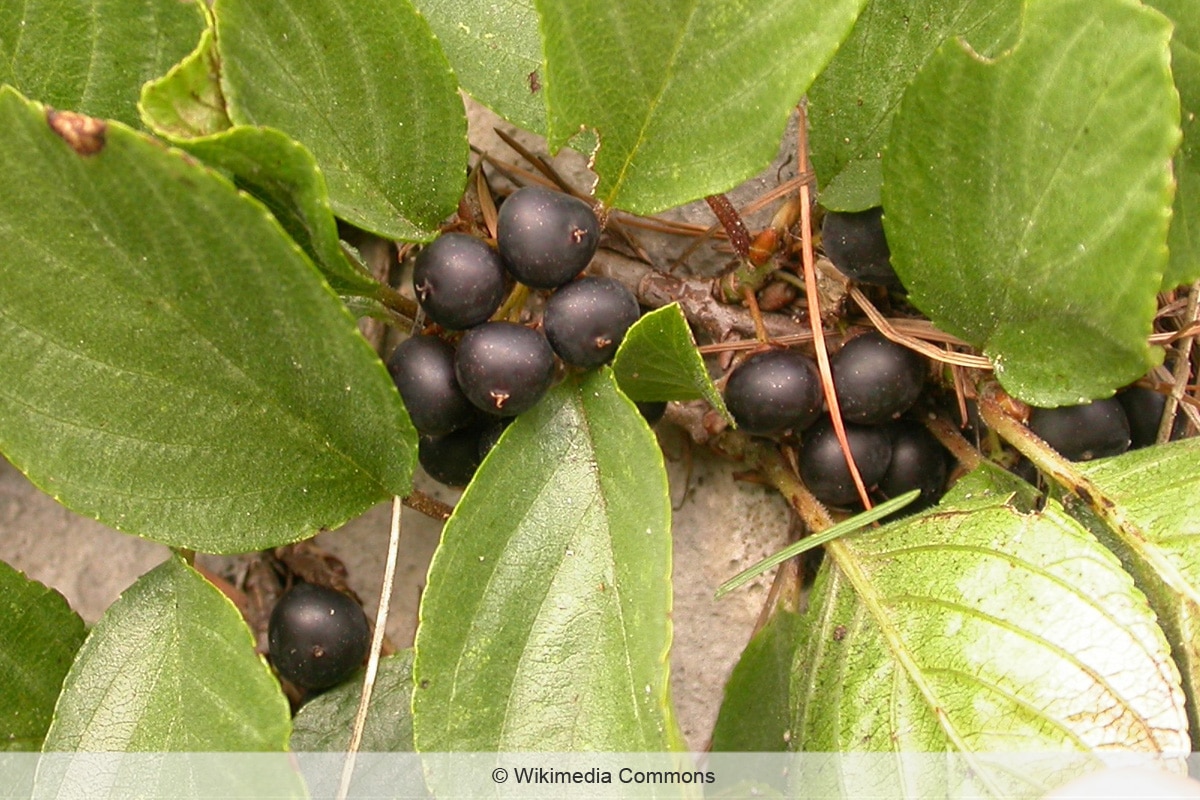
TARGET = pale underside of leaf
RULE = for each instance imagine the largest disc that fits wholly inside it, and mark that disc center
(984, 628)
(1154, 490)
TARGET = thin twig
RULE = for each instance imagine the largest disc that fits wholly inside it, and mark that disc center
(1183, 367)
(364, 703)
(885, 327)
(814, 314)
(424, 504)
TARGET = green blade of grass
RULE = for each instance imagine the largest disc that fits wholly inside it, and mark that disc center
(809, 542)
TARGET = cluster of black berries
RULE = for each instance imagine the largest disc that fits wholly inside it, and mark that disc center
(460, 398)
(1107, 427)
(876, 382)
(317, 637)
(856, 244)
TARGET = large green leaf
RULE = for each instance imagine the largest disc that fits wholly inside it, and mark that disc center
(496, 53)
(325, 722)
(658, 360)
(39, 635)
(999, 202)
(851, 105)
(688, 97)
(170, 667)
(173, 365)
(367, 89)
(545, 623)
(93, 56)
(1184, 240)
(1155, 490)
(984, 627)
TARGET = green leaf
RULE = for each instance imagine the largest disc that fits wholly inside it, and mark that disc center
(187, 101)
(496, 53)
(1155, 489)
(93, 56)
(658, 361)
(813, 541)
(999, 204)
(545, 622)
(755, 715)
(851, 104)
(187, 107)
(281, 173)
(1184, 240)
(688, 97)
(324, 723)
(184, 374)
(366, 88)
(39, 635)
(980, 627)
(170, 667)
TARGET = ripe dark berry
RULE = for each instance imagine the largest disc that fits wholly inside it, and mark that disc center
(490, 435)
(586, 320)
(459, 280)
(423, 369)
(876, 380)
(772, 391)
(855, 243)
(1144, 409)
(918, 462)
(504, 368)
(823, 467)
(1081, 433)
(546, 238)
(317, 636)
(451, 459)
(652, 412)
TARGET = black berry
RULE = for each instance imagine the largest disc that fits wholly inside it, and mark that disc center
(918, 462)
(1080, 433)
(453, 458)
(459, 280)
(1144, 409)
(652, 412)
(490, 434)
(774, 390)
(504, 368)
(317, 636)
(423, 369)
(823, 467)
(586, 320)
(546, 238)
(855, 243)
(876, 380)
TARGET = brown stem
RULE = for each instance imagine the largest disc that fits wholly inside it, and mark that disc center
(434, 509)
(1183, 366)
(656, 289)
